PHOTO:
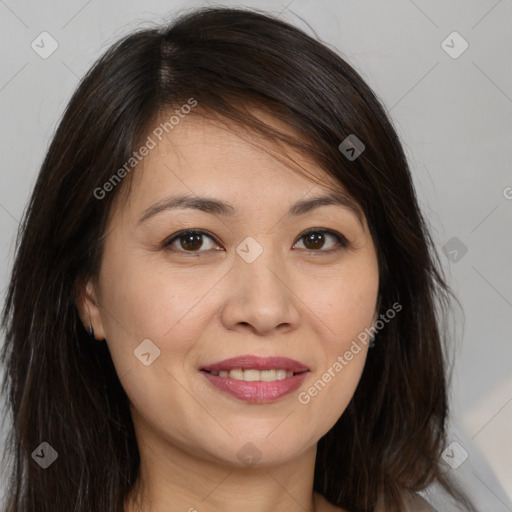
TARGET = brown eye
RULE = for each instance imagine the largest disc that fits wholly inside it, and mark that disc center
(197, 241)
(316, 239)
(190, 240)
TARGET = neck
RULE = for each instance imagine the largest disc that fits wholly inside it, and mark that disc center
(171, 479)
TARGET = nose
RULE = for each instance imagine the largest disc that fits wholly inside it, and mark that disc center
(260, 297)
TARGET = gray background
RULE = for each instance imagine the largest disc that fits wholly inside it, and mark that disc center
(452, 114)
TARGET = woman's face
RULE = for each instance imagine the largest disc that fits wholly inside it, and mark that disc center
(262, 281)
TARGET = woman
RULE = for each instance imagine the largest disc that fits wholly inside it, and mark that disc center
(224, 293)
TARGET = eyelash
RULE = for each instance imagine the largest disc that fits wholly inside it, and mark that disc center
(342, 241)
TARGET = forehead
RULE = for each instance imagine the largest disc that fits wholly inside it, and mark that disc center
(219, 149)
(205, 156)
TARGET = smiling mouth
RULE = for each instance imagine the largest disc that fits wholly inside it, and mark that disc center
(256, 379)
(254, 375)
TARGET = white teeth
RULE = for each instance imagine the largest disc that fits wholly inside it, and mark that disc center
(255, 375)
(267, 375)
(237, 374)
(281, 374)
(251, 375)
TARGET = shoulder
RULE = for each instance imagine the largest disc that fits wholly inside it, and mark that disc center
(322, 505)
(412, 503)
(415, 503)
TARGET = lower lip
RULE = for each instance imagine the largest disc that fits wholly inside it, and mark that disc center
(257, 392)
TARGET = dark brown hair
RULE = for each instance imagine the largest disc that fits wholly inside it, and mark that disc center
(63, 389)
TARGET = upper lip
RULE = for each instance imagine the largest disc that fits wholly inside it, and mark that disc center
(257, 363)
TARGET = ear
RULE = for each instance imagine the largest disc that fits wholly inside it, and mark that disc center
(88, 308)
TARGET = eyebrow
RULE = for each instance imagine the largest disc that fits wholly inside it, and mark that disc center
(218, 207)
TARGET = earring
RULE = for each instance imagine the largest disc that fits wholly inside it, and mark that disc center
(372, 341)
(91, 332)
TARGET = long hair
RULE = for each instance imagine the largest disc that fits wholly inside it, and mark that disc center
(63, 389)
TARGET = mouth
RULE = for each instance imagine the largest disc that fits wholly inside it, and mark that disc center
(256, 379)
(253, 375)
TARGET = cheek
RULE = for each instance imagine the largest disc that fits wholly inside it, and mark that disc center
(327, 393)
(326, 396)
(346, 310)
(146, 301)
(346, 306)
(143, 300)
